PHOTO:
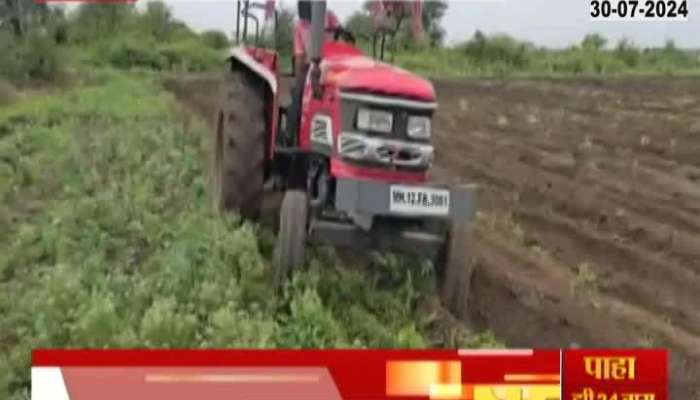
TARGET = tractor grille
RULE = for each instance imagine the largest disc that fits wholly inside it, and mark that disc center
(352, 147)
(401, 114)
(382, 151)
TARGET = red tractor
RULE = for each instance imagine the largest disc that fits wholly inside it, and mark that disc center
(351, 153)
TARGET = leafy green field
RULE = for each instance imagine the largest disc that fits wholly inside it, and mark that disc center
(111, 243)
(504, 56)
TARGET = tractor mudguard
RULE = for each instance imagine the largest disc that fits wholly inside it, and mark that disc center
(268, 73)
(263, 65)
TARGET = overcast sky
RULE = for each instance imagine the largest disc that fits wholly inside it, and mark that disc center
(553, 23)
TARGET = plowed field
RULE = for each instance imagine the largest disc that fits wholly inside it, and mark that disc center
(589, 229)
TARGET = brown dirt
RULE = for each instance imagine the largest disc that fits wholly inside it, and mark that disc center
(589, 229)
(8, 94)
(589, 233)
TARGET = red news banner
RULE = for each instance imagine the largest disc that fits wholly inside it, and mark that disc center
(501, 374)
(616, 375)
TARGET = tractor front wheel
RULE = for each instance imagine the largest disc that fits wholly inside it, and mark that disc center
(458, 264)
(291, 240)
(238, 152)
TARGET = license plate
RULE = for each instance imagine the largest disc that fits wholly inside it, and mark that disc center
(419, 200)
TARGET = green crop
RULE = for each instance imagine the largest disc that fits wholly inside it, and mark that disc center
(108, 241)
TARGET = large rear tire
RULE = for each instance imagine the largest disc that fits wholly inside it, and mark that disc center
(238, 153)
(458, 265)
(291, 240)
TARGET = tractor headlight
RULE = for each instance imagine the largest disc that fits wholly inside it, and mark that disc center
(418, 127)
(375, 120)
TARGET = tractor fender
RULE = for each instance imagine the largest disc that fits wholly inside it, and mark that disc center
(241, 56)
(241, 59)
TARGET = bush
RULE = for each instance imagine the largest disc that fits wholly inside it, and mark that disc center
(157, 19)
(497, 49)
(436, 62)
(34, 58)
(93, 21)
(189, 55)
(215, 39)
(133, 52)
(42, 58)
(10, 62)
(579, 61)
(627, 52)
(178, 31)
(501, 55)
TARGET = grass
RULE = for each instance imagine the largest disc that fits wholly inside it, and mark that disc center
(111, 243)
(502, 56)
(585, 282)
(450, 63)
(505, 224)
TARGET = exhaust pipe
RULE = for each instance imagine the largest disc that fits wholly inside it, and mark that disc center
(318, 35)
(318, 29)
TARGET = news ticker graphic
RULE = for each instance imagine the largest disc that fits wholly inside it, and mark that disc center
(500, 374)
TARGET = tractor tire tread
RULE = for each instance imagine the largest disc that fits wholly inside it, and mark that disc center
(242, 130)
(291, 240)
(459, 266)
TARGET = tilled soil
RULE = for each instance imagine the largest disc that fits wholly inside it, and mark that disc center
(590, 201)
(589, 229)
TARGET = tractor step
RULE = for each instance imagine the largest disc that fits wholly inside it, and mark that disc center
(345, 234)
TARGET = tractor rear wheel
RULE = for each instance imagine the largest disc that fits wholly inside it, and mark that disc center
(238, 154)
(458, 264)
(291, 240)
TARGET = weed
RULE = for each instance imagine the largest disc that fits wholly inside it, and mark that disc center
(504, 223)
(586, 281)
(646, 342)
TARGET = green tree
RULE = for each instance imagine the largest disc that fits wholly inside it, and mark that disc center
(400, 23)
(99, 20)
(360, 24)
(22, 15)
(285, 31)
(497, 49)
(158, 19)
(594, 42)
(58, 25)
(215, 39)
(433, 11)
(627, 52)
(281, 38)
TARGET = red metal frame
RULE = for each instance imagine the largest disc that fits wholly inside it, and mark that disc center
(269, 59)
(346, 68)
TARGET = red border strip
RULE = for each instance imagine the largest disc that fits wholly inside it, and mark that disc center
(228, 357)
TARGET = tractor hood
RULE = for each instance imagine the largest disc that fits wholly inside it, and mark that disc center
(352, 71)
